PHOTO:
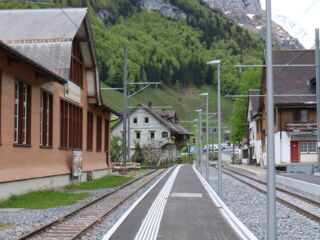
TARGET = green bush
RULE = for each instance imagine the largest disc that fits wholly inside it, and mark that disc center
(138, 155)
(115, 148)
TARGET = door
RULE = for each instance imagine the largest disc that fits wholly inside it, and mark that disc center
(295, 155)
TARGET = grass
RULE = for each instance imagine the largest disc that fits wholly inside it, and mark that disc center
(104, 182)
(154, 165)
(134, 173)
(184, 100)
(5, 225)
(43, 199)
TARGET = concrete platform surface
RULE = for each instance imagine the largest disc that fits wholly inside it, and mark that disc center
(179, 208)
(302, 177)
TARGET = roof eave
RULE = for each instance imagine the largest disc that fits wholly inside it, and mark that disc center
(15, 54)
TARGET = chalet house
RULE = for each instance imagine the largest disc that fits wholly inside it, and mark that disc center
(254, 146)
(294, 112)
(156, 129)
(50, 105)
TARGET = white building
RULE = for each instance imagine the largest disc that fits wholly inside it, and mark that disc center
(254, 146)
(157, 129)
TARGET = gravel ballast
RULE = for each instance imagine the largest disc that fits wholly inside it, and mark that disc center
(250, 206)
(26, 220)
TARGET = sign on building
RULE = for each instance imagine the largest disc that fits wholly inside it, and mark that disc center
(72, 91)
(76, 163)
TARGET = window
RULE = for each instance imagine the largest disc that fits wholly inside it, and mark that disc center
(46, 112)
(70, 126)
(22, 114)
(99, 133)
(304, 115)
(76, 67)
(135, 120)
(89, 131)
(152, 135)
(146, 120)
(303, 147)
(296, 116)
(106, 135)
(138, 135)
(312, 147)
(165, 134)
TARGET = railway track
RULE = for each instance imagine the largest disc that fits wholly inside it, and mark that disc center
(76, 223)
(305, 206)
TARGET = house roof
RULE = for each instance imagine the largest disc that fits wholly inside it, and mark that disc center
(293, 80)
(161, 115)
(20, 57)
(46, 36)
(36, 24)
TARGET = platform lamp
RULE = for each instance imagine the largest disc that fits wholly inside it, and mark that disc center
(219, 129)
(200, 139)
(207, 134)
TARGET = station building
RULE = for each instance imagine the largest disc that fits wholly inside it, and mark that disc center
(50, 103)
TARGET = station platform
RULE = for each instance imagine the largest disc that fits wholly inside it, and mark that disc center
(178, 207)
(262, 172)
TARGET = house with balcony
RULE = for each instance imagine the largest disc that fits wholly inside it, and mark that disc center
(294, 109)
(157, 129)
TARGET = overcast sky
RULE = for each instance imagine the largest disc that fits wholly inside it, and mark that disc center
(305, 13)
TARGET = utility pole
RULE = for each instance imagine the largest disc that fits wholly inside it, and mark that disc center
(317, 55)
(129, 140)
(199, 139)
(124, 114)
(271, 194)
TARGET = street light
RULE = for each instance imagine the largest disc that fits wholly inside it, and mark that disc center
(200, 138)
(207, 134)
(219, 130)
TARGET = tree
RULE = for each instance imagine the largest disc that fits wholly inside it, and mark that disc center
(138, 155)
(115, 148)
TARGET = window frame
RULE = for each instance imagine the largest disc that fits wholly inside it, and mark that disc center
(135, 120)
(150, 135)
(90, 121)
(47, 141)
(315, 143)
(162, 134)
(99, 134)
(146, 120)
(138, 132)
(306, 115)
(307, 147)
(76, 64)
(71, 119)
(22, 126)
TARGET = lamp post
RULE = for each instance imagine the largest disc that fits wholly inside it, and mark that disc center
(200, 138)
(207, 134)
(219, 130)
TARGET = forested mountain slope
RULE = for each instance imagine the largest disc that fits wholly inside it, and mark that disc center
(171, 44)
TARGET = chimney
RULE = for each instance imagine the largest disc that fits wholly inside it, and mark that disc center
(150, 104)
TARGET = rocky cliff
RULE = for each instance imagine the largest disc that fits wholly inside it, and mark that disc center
(248, 13)
(164, 7)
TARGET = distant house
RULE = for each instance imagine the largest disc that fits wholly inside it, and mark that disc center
(155, 129)
(50, 101)
(295, 112)
(254, 146)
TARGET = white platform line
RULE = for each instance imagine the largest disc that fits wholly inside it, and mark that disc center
(242, 231)
(150, 225)
(126, 214)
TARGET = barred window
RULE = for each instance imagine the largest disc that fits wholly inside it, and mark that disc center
(89, 131)
(70, 126)
(46, 112)
(22, 114)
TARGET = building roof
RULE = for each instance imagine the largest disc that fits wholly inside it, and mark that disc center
(161, 115)
(293, 80)
(20, 57)
(36, 24)
(46, 36)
